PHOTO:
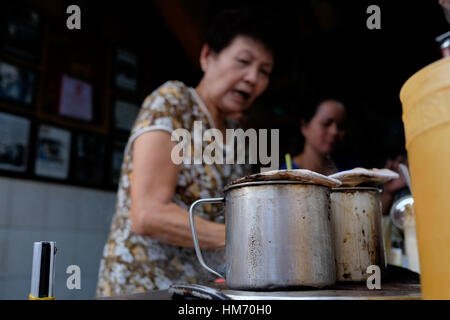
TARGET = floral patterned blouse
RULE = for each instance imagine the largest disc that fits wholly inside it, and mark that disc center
(132, 263)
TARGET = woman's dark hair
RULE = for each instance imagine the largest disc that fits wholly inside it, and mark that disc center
(309, 106)
(257, 22)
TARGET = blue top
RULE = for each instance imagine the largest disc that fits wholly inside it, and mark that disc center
(293, 164)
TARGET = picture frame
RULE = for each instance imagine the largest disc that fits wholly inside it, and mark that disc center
(89, 158)
(117, 153)
(124, 114)
(53, 150)
(21, 30)
(14, 142)
(76, 99)
(17, 84)
(126, 71)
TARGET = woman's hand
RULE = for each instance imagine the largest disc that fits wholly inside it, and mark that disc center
(395, 185)
(153, 184)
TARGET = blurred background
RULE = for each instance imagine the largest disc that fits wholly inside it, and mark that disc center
(59, 162)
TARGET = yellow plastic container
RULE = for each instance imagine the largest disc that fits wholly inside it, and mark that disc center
(426, 116)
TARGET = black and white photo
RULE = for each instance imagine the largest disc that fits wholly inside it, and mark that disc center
(90, 157)
(53, 152)
(14, 142)
(16, 84)
(21, 30)
(125, 114)
(126, 71)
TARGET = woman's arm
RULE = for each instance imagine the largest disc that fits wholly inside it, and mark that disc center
(393, 186)
(153, 184)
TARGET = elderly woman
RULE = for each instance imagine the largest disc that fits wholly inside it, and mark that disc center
(150, 244)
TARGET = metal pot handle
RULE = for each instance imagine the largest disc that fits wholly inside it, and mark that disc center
(194, 232)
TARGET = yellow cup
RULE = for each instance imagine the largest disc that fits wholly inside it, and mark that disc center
(425, 99)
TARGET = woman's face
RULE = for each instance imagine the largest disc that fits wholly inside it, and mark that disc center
(325, 130)
(237, 75)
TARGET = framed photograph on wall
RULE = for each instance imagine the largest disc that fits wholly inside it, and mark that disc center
(117, 153)
(89, 159)
(125, 113)
(17, 85)
(126, 71)
(14, 142)
(20, 30)
(75, 98)
(52, 152)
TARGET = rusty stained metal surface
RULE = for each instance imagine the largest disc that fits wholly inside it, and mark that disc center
(279, 236)
(357, 234)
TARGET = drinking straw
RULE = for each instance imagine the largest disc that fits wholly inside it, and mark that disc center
(288, 160)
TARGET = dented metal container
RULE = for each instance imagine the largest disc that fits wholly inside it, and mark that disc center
(357, 234)
(278, 235)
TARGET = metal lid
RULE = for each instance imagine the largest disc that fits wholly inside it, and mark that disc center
(359, 176)
(265, 183)
(302, 176)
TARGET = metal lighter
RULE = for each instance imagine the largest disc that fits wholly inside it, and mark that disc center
(43, 270)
